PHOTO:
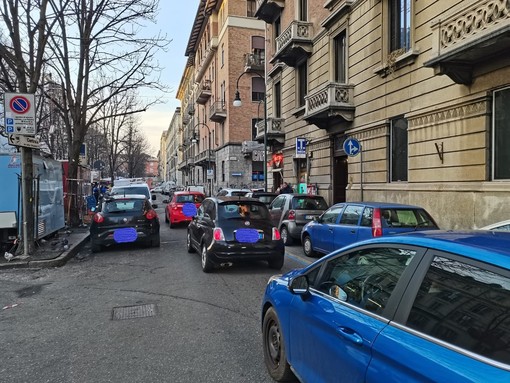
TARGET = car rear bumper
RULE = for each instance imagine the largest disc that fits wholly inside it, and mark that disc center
(106, 237)
(223, 252)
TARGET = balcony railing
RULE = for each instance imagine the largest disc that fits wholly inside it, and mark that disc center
(331, 103)
(253, 63)
(205, 157)
(204, 92)
(294, 43)
(275, 130)
(218, 111)
(269, 10)
(466, 39)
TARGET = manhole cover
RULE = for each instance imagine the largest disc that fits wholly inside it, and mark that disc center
(132, 312)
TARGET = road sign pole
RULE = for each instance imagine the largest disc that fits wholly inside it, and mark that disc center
(27, 166)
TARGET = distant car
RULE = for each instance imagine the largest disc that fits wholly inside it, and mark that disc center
(126, 218)
(349, 222)
(157, 189)
(266, 197)
(290, 212)
(429, 306)
(498, 226)
(234, 229)
(136, 188)
(175, 211)
(228, 192)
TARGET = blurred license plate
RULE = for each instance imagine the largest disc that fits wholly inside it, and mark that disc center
(309, 216)
(125, 235)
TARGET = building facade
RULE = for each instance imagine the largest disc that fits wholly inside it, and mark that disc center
(420, 85)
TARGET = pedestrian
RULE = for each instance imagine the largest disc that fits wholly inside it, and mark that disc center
(96, 192)
(285, 188)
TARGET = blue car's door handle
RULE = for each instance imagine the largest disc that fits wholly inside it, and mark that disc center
(350, 334)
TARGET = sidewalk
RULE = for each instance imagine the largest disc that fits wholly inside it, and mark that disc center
(54, 252)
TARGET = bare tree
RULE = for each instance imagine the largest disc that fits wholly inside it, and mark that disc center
(136, 148)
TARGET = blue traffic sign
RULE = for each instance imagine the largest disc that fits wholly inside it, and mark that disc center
(352, 147)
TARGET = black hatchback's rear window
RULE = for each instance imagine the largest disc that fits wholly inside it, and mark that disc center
(243, 209)
(122, 206)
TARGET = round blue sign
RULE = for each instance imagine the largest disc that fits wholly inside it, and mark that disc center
(352, 147)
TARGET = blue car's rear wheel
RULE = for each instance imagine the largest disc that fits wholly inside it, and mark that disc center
(275, 356)
(308, 246)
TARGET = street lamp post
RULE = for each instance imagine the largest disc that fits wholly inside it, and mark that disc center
(237, 103)
(208, 154)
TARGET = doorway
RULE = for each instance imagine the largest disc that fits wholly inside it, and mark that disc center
(340, 178)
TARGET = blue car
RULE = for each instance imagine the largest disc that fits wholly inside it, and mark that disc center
(429, 306)
(350, 222)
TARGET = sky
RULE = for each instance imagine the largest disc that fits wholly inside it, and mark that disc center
(175, 19)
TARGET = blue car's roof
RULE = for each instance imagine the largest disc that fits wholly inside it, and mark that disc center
(483, 245)
(380, 204)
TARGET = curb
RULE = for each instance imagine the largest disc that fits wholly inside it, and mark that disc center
(55, 262)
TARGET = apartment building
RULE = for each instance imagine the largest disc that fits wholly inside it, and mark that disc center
(225, 54)
(421, 85)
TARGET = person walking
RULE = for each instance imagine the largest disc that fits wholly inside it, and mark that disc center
(285, 188)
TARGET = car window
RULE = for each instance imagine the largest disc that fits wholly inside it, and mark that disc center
(194, 198)
(265, 198)
(351, 215)
(238, 193)
(366, 218)
(278, 202)
(222, 192)
(401, 217)
(122, 206)
(365, 278)
(243, 209)
(465, 305)
(331, 215)
(132, 190)
(309, 203)
(502, 228)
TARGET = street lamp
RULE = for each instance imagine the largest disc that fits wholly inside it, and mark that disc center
(237, 103)
(209, 149)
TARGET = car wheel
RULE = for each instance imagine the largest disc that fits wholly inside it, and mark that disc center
(276, 263)
(156, 242)
(308, 247)
(189, 246)
(166, 218)
(96, 248)
(206, 263)
(172, 225)
(287, 239)
(275, 356)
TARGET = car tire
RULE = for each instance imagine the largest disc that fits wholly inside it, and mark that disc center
(284, 233)
(276, 263)
(95, 248)
(166, 218)
(156, 242)
(189, 246)
(275, 355)
(207, 266)
(172, 225)
(308, 246)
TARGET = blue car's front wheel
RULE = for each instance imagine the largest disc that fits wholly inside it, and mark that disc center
(275, 356)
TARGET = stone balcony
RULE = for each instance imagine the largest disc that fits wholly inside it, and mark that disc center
(294, 43)
(204, 92)
(330, 104)
(204, 157)
(218, 111)
(275, 130)
(253, 63)
(469, 38)
(269, 10)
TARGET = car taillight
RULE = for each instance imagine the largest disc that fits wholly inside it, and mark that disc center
(151, 214)
(276, 234)
(98, 218)
(174, 206)
(292, 215)
(218, 234)
(376, 223)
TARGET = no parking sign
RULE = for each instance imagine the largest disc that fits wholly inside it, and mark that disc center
(20, 113)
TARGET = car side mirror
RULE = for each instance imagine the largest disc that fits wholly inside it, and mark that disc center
(300, 286)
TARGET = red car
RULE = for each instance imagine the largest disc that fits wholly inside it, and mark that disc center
(182, 207)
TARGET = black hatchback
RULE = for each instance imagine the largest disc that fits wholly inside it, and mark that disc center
(124, 219)
(231, 229)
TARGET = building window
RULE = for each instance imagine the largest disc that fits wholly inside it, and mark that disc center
(258, 50)
(340, 58)
(501, 135)
(302, 83)
(251, 8)
(400, 25)
(254, 128)
(303, 10)
(257, 89)
(222, 55)
(277, 30)
(222, 171)
(277, 99)
(398, 149)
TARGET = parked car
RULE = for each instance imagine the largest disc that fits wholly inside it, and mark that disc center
(228, 192)
(290, 212)
(178, 211)
(231, 229)
(349, 222)
(136, 188)
(124, 219)
(157, 189)
(266, 197)
(499, 226)
(429, 306)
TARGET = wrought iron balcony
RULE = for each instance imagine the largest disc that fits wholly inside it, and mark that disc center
(275, 130)
(476, 35)
(204, 92)
(218, 111)
(269, 10)
(205, 157)
(294, 43)
(329, 105)
(253, 63)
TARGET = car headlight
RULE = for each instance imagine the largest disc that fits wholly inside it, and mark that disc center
(273, 278)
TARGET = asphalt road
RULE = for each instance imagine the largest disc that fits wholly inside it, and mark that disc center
(75, 324)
